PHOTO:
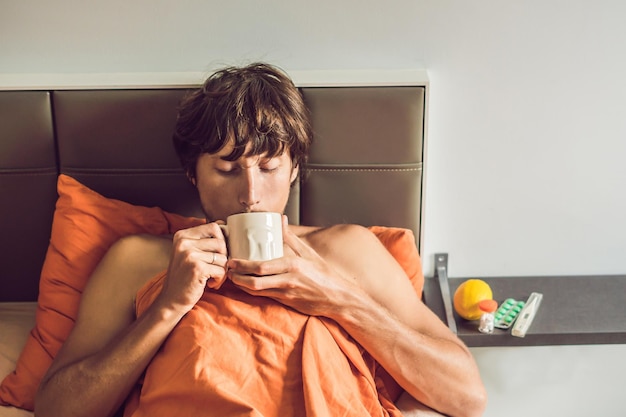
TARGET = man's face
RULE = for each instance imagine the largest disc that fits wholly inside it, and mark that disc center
(251, 183)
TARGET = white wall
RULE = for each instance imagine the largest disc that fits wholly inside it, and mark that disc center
(527, 137)
(547, 381)
(527, 126)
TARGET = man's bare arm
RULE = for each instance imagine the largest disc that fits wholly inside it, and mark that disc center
(436, 370)
(410, 407)
(402, 334)
(107, 350)
(348, 276)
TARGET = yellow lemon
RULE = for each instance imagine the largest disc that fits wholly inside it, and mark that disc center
(467, 297)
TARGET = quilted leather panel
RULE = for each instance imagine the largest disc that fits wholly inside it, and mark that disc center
(27, 190)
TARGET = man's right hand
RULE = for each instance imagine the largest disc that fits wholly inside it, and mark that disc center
(198, 261)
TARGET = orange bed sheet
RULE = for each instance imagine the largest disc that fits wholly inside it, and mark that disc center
(239, 355)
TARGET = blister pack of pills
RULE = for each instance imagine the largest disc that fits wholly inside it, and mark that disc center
(505, 315)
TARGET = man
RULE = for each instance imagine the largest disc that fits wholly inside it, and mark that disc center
(242, 139)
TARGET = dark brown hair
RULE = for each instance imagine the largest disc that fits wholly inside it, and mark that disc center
(256, 105)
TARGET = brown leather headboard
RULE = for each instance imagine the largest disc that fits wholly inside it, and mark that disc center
(365, 166)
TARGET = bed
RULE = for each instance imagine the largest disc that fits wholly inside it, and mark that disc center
(365, 167)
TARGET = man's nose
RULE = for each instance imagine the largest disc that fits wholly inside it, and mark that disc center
(248, 194)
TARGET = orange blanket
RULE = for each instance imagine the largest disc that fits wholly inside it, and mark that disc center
(238, 355)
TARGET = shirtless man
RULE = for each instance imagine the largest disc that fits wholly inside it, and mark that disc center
(242, 138)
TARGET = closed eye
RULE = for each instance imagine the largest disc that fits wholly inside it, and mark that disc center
(269, 165)
(227, 171)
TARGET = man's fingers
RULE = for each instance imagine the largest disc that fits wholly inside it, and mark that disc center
(215, 258)
(202, 231)
(215, 282)
(205, 238)
(206, 245)
(242, 266)
(255, 283)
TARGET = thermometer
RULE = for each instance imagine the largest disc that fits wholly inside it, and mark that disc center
(526, 316)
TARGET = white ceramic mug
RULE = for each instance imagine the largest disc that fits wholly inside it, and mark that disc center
(256, 236)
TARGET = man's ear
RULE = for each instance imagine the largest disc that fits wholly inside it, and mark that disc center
(294, 174)
(191, 179)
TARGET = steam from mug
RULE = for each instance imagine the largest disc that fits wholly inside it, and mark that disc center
(256, 236)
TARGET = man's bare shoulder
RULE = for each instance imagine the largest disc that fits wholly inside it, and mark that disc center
(143, 245)
(128, 264)
(338, 239)
(107, 302)
(141, 256)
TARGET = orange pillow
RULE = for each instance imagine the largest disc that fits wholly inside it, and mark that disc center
(85, 225)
